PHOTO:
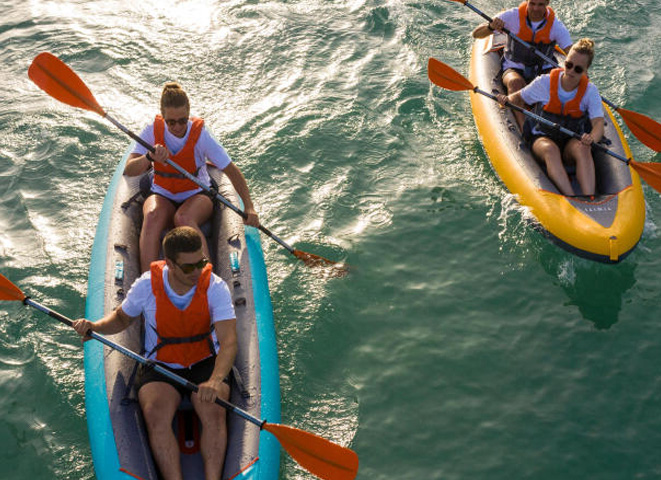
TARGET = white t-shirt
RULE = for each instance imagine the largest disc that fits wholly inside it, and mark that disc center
(539, 91)
(140, 300)
(559, 34)
(205, 148)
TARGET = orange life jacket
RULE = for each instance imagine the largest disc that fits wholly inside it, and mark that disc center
(526, 33)
(569, 115)
(166, 176)
(541, 40)
(573, 107)
(184, 336)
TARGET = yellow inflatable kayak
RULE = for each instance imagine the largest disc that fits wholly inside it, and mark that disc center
(606, 228)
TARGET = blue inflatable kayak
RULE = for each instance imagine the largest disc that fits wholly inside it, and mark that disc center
(119, 444)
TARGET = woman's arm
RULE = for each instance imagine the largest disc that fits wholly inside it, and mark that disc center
(136, 165)
(241, 187)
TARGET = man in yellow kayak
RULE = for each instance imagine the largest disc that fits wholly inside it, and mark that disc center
(535, 23)
(190, 329)
(566, 97)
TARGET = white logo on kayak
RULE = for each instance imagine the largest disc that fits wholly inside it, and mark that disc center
(598, 209)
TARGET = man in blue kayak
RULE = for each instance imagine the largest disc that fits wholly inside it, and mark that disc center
(190, 329)
(535, 23)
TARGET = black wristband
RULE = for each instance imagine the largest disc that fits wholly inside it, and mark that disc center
(148, 157)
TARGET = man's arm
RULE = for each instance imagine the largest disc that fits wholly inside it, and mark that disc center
(136, 165)
(114, 322)
(226, 335)
(486, 29)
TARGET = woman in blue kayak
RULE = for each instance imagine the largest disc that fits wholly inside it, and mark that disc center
(175, 200)
(565, 96)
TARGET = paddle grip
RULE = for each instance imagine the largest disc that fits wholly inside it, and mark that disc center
(226, 202)
(489, 19)
(173, 376)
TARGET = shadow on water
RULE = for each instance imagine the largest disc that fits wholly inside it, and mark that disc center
(596, 289)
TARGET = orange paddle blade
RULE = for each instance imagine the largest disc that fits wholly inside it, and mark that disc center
(645, 129)
(650, 172)
(55, 78)
(312, 260)
(560, 50)
(446, 77)
(9, 291)
(319, 456)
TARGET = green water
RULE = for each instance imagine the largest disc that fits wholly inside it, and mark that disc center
(463, 345)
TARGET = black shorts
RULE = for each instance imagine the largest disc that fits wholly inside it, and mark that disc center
(523, 73)
(212, 196)
(560, 141)
(198, 373)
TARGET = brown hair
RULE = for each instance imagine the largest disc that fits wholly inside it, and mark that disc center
(181, 240)
(173, 96)
(586, 47)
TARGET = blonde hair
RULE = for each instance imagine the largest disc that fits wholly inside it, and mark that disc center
(586, 47)
(173, 96)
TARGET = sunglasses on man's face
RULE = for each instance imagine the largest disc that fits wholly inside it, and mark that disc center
(174, 121)
(190, 267)
(577, 68)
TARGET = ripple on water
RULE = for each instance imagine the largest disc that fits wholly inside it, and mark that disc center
(14, 355)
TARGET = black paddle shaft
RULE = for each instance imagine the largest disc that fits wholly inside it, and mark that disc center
(194, 179)
(551, 124)
(142, 360)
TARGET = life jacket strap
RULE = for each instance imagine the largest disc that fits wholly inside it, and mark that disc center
(175, 174)
(163, 341)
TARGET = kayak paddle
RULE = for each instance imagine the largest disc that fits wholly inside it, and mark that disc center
(446, 77)
(645, 129)
(54, 77)
(319, 456)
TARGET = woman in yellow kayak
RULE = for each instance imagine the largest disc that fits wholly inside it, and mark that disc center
(565, 96)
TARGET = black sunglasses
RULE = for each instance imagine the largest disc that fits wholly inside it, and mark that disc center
(189, 267)
(577, 68)
(181, 121)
